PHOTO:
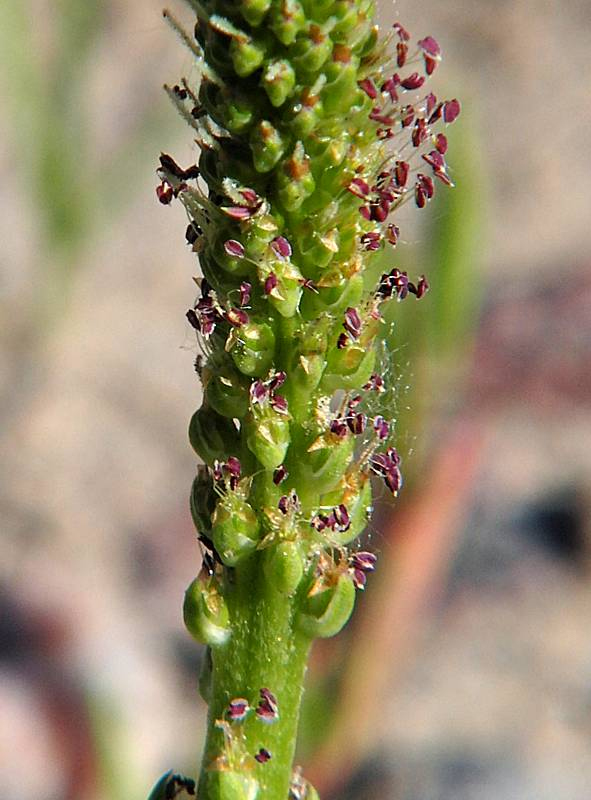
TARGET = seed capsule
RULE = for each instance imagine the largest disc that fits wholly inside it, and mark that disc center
(267, 436)
(348, 368)
(202, 501)
(283, 566)
(206, 614)
(254, 350)
(235, 529)
(211, 435)
(326, 613)
(226, 392)
(323, 467)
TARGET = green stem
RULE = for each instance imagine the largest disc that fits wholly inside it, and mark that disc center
(264, 651)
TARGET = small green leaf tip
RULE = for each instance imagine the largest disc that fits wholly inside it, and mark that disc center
(314, 129)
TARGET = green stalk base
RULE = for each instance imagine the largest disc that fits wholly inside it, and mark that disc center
(264, 651)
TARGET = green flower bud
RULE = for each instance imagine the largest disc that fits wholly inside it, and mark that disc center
(308, 54)
(202, 501)
(235, 529)
(230, 785)
(206, 614)
(254, 11)
(341, 91)
(283, 566)
(267, 436)
(226, 391)
(278, 81)
(267, 146)
(348, 368)
(294, 181)
(211, 435)
(347, 16)
(326, 613)
(304, 115)
(247, 55)
(286, 20)
(254, 349)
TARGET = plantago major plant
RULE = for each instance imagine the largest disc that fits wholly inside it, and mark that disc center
(314, 130)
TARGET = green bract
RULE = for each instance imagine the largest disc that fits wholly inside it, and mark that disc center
(313, 130)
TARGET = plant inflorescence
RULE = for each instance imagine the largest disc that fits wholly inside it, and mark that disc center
(313, 130)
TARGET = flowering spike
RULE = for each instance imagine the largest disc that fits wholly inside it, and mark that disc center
(313, 134)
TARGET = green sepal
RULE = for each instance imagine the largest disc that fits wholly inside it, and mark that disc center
(202, 501)
(284, 566)
(305, 366)
(326, 613)
(205, 614)
(254, 349)
(212, 436)
(235, 529)
(278, 81)
(267, 146)
(267, 436)
(227, 784)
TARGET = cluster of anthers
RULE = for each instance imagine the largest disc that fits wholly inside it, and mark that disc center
(409, 126)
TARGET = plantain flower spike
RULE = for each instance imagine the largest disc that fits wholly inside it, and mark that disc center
(314, 128)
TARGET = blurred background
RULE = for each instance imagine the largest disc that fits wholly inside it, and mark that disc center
(466, 674)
